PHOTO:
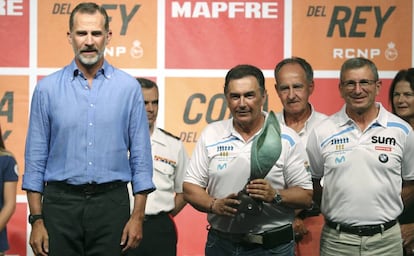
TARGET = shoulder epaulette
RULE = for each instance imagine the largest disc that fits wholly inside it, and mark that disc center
(169, 134)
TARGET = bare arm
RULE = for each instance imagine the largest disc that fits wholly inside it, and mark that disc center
(9, 205)
(407, 230)
(294, 197)
(132, 233)
(39, 238)
(179, 203)
(197, 197)
(407, 193)
(317, 191)
(202, 201)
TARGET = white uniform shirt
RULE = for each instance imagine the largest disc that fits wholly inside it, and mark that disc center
(170, 161)
(314, 120)
(362, 170)
(221, 163)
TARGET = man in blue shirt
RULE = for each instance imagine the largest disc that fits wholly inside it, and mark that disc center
(85, 119)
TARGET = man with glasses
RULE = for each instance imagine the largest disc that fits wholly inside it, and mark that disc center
(364, 153)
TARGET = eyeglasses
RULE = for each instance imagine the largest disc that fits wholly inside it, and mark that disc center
(351, 84)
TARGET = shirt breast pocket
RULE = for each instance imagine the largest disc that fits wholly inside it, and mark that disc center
(163, 175)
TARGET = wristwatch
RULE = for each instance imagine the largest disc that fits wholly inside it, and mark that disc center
(34, 218)
(278, 198)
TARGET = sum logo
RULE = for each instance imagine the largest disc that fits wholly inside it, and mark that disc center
(383, 140)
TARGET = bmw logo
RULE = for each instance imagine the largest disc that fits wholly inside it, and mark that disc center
(383, 158)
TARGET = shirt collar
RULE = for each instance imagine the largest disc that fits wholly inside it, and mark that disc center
(231, 132)
(283, 122)
(106, 70)
(380, 120)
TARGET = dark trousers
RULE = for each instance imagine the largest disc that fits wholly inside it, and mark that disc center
(217, 246)
(85, 224)
(159, 237)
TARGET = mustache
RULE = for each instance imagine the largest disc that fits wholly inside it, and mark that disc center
(88, 49)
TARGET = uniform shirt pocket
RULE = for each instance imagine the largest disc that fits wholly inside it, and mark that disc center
(163, 175)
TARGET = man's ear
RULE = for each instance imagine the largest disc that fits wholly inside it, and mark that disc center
(264, 96)
(109, 36)
(311, 87)
(69, 36)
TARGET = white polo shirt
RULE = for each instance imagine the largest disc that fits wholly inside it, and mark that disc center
(362, 170)
(221, 163)
(314, 120)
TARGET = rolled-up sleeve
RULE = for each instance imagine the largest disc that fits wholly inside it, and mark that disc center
(37, 141)
(140, 148)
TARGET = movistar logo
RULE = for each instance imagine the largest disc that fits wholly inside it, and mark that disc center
(339, 160)
(221, 166)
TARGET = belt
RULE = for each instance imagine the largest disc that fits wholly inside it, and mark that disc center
(87, 189)
(365, 230)
(268, 239)
(155, 216)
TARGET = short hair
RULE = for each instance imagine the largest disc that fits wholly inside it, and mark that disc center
(244, 70)
(90, 8)
(356, 63)
(146, 83)
(402, 75)
(296, 60)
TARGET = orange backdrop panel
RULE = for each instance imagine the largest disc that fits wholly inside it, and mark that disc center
(329, 32)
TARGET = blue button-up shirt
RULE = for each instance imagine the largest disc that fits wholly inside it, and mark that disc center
(82, 135)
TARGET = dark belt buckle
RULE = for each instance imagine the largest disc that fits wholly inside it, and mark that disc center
(360, 231)
(278, 236)
(89, 189)
(368, 231)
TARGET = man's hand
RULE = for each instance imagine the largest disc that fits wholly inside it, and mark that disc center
(39, 239)
(261, 189)
(132, 234)
(226, 206)
(299, 228)
(407, 233)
